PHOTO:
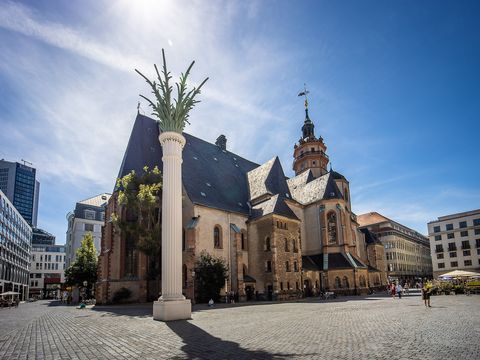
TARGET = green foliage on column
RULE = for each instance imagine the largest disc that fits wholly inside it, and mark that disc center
(210, 275)
(172, 113)
(85, 266)
(139, 197)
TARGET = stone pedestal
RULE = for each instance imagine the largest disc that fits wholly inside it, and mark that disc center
(172, 305)
(168, 310)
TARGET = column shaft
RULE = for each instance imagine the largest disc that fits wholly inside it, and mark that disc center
(172, 144)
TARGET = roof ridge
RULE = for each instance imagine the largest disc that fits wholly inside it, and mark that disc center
(93, 197)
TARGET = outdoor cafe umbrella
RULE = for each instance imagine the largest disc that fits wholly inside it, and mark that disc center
(459, 274)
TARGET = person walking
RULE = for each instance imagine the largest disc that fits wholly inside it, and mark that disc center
(426, 295)
(392, 290)
(399, 290)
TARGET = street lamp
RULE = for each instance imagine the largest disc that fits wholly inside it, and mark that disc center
(193, 286)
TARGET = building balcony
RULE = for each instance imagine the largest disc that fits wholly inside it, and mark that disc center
(306, 153)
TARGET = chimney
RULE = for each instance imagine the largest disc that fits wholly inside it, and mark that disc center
(221, 142)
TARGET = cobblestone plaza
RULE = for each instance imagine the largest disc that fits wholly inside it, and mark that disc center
(347, 328)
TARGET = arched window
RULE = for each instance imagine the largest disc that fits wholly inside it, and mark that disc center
(217, 237)
(184, 275)
(294, 246)
(332, 227)
(267, 244)
(345, 196)
(345, 282)
(286, 246)
(377, 280)
(184, 240)
(244, 270)
(338, 285)
(244, 240)
(363, 282)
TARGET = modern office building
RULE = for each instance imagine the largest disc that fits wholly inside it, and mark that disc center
(15, 249)
(88, 216)
(455, 242)
(18, 182)
(47, 268)
(407, 251)
(42, 237)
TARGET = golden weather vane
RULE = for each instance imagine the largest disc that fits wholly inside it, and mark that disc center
(304, 93)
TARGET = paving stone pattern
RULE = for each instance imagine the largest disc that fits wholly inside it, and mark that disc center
(347, 328)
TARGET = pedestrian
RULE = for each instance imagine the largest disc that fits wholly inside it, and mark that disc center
(392, 290)
(426, 292)
(399, 290)
(17, 301)
(210, 303)
(407, 288)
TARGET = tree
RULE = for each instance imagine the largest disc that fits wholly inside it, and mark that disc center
(140, 197)
(211, 273)
(84, 268)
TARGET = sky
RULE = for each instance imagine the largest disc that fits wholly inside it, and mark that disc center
(394, 92)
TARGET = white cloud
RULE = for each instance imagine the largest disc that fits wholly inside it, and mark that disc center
(87, 110)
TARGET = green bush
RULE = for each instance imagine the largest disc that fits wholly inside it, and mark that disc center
(121, 295)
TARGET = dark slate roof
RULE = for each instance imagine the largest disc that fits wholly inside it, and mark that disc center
(313, 262)
(248, 278)
(275, 205)
(372, 269)
(211, 177)
(80, 211)
(335, 261)
(337, 176)
(268, 179)
(370, 237)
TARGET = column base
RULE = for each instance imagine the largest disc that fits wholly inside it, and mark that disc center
(172, 310)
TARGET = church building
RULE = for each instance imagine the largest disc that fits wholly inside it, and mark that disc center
(282, 238)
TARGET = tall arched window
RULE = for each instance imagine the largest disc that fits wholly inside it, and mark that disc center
(244, 240)
(294, 246)
(363, 282)
(345, 282)
(184, 275)
(332, 227)
(346, 195)
(184, 240)
(286, 246)
(244, 269)
(217, 237)
(338, 285)
(267, 244)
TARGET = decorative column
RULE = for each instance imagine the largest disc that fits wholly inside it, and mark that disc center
(172, 305)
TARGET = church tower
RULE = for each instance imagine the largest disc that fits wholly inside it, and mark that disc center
(309, 153)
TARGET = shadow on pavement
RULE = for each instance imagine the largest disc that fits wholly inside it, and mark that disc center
(201, 345)
(137, 310)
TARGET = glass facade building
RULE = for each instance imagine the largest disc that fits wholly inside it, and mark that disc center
(19, 184)
(24, 192)
(15, 249)
(42, 237)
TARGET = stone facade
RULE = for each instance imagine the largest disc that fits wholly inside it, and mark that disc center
(455, 242)
(407, 253)
(281, 238)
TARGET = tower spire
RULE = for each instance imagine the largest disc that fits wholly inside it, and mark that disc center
(308, 127)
